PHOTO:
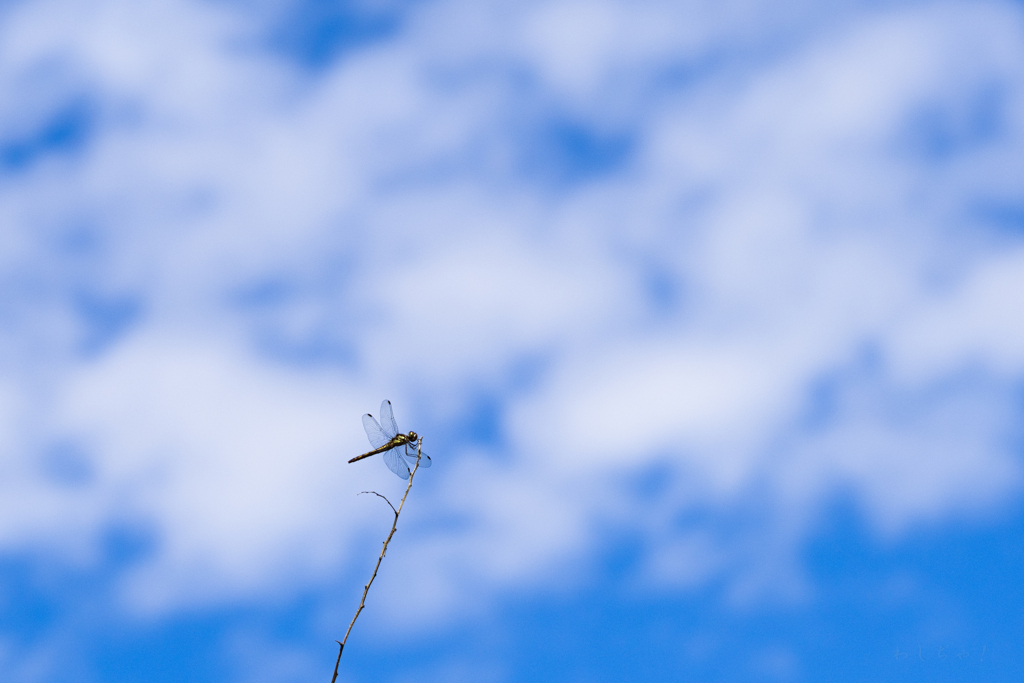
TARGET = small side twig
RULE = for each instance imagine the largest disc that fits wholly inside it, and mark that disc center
(384, 550)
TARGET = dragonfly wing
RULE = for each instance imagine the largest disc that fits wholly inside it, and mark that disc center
(387, 419)
(410, 452)
(373, 431)
(393, 459)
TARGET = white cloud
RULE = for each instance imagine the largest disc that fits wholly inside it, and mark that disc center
(386, 199)
(236, 464)
(977, 322)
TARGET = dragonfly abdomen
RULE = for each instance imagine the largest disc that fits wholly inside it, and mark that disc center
(397, 441)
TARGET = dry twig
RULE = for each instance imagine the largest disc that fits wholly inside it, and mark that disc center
(394, 527)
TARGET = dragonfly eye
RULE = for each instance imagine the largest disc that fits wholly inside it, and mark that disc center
(412, 436)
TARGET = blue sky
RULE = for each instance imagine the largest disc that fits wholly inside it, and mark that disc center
(710, 315)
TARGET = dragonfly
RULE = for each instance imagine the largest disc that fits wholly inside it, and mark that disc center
(385, 438)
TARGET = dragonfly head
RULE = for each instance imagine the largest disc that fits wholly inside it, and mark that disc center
(413, 437)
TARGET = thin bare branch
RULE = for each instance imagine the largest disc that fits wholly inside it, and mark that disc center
(384, 550)
(384, 497)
